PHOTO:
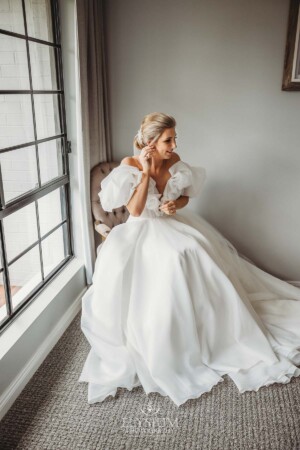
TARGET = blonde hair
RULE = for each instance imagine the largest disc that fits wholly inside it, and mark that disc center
(152, 126)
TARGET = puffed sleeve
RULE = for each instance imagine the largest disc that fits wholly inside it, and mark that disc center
(118, 187)
(197, 178)
(185, 180)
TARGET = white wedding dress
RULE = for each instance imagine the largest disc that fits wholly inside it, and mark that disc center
(173, 306)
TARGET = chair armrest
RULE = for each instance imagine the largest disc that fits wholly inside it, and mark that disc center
(102, 229)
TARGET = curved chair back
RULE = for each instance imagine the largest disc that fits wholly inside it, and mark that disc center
(104, 221)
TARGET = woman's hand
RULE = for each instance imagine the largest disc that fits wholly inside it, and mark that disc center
(145, 156)
(169, 207)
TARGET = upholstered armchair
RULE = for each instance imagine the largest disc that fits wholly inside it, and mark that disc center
(104, 221)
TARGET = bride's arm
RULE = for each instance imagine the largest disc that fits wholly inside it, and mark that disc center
(138, 200)
(181, 201)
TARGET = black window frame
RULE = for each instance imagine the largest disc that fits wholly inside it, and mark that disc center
(32, 196)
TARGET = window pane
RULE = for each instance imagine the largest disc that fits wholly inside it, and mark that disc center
(3, 310)
(19, 172)
(16, 124)
(14, 67)
(47, 115)
(25, 275)
(11, 17)
(53, 249)
(20, 230)
(50, 158)
(39, 21)
(51, 210)
(42, 58)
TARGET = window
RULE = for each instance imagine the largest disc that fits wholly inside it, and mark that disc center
(35, 231)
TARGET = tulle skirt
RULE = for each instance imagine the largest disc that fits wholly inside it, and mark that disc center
(173, 307)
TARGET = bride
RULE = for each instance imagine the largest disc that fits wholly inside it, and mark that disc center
(173, 306)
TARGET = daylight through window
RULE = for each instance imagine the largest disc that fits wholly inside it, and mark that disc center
(35, 230)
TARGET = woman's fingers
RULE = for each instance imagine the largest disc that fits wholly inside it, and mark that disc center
(147, 151)
(147, 154)
(150, 144)
(168, 207)
(169, 204)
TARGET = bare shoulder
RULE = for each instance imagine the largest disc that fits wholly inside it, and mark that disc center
(174, 159)
(129, 161)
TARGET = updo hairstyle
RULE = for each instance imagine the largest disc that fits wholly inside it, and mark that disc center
(152, 126)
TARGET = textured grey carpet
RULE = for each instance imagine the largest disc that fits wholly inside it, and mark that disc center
(52, 413)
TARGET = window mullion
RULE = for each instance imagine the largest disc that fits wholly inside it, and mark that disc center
(6, 280)
(31, 39)
(69, 228)
(31, 95)
(28, 198)
(30, 144)
(2, 197)
(39, 238)
(59, 68)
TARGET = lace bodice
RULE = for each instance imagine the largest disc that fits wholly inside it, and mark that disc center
(118, 187)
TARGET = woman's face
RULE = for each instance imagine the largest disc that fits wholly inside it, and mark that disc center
(165, 144)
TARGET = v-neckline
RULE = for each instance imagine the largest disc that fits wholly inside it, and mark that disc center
(171, 175)
(155, 185)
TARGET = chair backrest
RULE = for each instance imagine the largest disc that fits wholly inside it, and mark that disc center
(118, 215)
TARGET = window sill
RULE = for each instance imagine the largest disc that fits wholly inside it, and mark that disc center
(31, 336)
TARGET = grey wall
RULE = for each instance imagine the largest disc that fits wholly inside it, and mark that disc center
(217, 67)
